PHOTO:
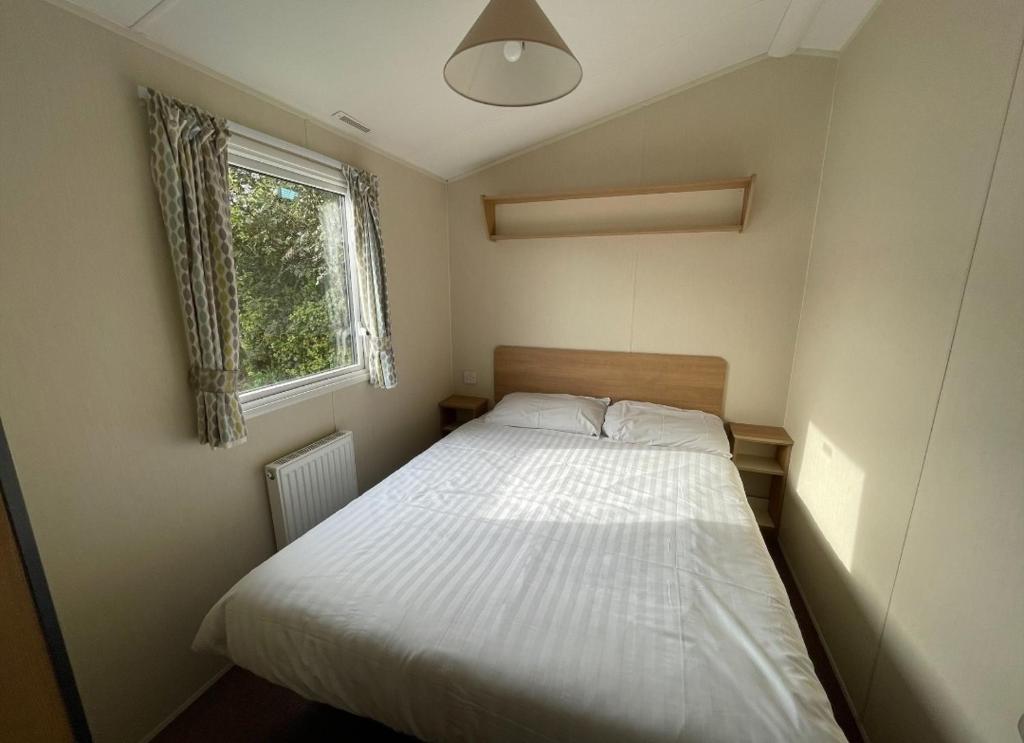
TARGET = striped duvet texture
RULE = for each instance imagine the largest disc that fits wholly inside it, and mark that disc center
(514, 584)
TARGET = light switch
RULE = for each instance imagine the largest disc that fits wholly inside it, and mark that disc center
(469, 377)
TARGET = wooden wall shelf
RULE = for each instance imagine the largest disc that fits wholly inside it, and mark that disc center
(746, 185)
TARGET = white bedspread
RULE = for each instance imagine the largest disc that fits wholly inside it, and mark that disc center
(523, 585)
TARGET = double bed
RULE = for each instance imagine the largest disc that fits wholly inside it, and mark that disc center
(522, 584)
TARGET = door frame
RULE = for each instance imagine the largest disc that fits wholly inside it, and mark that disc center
(17, 514)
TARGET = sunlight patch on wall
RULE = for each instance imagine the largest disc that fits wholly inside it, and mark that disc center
(831, 485)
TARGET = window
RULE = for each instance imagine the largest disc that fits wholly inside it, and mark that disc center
(291, 228)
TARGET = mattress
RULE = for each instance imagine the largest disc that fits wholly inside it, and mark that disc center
(515, 584)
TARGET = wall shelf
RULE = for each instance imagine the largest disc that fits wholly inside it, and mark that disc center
(648, 210)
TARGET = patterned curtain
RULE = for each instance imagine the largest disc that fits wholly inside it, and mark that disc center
(373, 285)
(190, 170)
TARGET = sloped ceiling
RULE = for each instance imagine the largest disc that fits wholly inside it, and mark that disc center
(380, 61)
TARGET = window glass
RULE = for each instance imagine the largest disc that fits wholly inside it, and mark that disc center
(294, 279)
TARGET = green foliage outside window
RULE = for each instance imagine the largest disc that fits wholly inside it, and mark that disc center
(295, 316)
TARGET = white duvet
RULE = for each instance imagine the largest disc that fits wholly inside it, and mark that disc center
(523, 585)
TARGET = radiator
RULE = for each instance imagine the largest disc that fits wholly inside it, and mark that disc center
(310, 484)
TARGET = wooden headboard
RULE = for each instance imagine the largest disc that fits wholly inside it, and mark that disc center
(689, 382)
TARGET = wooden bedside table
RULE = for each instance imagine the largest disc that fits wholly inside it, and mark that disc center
(459, 409)
(768, 510)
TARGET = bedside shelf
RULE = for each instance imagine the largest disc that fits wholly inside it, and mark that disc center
(773, 435)
(458, 409)
(767, 510)
(464, 402)
(763, 465)
(761, 512)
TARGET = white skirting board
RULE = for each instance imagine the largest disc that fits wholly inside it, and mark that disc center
(186, 704)
(828, 653)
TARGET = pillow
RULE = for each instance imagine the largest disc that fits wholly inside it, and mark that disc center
(567, 413)
(661, 425)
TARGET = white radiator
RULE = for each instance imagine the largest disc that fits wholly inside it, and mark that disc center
(310, 484)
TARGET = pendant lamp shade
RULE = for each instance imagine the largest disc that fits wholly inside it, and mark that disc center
(513, 56)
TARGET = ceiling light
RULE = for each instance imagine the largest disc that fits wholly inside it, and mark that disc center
(513, 56)
(513, 50)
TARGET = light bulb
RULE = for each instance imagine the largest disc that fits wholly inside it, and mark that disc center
(513, 50)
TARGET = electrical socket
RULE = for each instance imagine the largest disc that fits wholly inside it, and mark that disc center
(469, 377)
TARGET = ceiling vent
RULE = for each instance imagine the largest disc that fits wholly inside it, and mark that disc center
(344, 118)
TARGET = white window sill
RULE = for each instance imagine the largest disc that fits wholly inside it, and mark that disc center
(255, 408)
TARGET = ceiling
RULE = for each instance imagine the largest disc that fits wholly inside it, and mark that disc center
(380, 61)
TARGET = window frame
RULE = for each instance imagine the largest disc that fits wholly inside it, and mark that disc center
(253, 150)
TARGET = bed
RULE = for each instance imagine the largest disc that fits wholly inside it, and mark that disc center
(515, 584)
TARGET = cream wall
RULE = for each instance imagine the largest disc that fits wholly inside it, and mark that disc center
(952, 654)
(921, 95)
(141, 528)
(737, 296)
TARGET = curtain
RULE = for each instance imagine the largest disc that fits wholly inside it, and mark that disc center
(190, 170)
(373, 286)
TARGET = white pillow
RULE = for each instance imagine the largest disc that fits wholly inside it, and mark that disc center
(661, 425)
(567, 413)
